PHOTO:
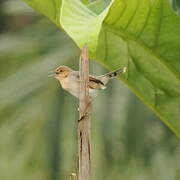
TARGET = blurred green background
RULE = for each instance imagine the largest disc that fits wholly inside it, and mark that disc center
(38, 119)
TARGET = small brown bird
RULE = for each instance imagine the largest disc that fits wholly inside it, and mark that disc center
(69, 80)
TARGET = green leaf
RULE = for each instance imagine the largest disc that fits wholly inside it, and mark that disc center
(49, 8)
(142, 35)
(81, 24)
(147, 36)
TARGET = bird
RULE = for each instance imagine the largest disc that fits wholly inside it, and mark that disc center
(70, 80)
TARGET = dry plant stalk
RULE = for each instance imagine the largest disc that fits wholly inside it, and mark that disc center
(84, 123)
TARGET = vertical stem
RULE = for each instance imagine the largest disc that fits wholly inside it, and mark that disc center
(84, 123)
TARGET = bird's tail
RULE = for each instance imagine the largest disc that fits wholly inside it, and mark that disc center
(106, 77)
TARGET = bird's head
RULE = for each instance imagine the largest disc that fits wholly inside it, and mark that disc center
(61, 72)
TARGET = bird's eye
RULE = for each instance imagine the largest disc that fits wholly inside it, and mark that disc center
(60, 71)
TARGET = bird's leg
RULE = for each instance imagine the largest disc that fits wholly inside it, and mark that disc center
(82, 117)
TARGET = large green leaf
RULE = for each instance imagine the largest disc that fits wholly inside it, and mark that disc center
(142, 35)
(49, 8)
(82, 24)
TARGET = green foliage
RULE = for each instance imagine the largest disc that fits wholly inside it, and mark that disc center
(142, 35)
(50, 8)
(38, 120)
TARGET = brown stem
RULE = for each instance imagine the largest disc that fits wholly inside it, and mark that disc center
(84, 123)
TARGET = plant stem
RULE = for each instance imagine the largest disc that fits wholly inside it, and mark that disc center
(84, 123)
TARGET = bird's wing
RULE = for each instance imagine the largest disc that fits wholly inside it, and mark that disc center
(95, 83)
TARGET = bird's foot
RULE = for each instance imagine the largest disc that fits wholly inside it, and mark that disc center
(83, 117)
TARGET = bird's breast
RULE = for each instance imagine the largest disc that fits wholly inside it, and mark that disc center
(71, 85)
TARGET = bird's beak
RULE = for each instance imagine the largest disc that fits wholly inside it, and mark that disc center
(51, 74)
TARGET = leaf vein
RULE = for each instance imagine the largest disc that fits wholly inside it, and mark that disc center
(120, 15)
(159, 26)
(146, 20)
(133, 14)
(126, 36)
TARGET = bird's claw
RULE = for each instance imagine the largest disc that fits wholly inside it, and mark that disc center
(83, 117)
